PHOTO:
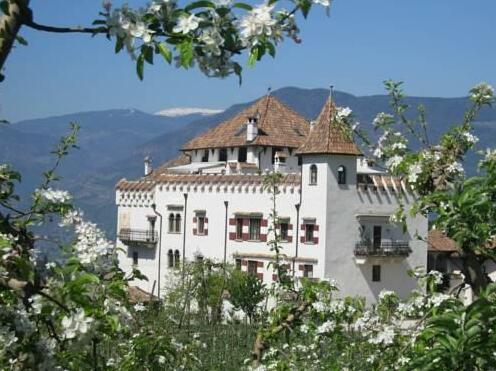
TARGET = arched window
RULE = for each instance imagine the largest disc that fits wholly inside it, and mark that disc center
(178, 223)
(177, 258)
(313, 174)
(171, 222)
(170, 258)
(341, 175)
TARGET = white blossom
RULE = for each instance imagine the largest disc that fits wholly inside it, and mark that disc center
(382, 118)
(398, 146)
(76, 323)
(455, 168)
(257, 22)
(186, 24)
(394, 162)
(325, 3)
(384, 294)
(469, 137)
(385, 337)
(139, 307)
(482, 93)
(413, 172)
(36, 303)
(54, 196)
(437, 299)
(326, 327)
(161, 359)
(343, 112)
(212, 40)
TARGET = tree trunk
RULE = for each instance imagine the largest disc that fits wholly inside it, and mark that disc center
(10, 24)
(473, 269)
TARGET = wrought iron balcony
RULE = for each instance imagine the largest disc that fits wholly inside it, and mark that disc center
(138, 237)
(385, 248)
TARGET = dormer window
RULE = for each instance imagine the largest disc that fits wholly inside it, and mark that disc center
(205, 156)
(341, 175)
(313, 174)
(242, 154)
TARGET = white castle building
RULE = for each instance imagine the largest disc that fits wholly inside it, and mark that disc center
(334, 208)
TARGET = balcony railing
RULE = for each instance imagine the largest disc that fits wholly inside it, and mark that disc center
(385, 248)
(138, 237)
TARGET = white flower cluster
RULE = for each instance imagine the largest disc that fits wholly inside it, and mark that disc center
(326, 327)
(385, 337)
(455, 168)
(343, 113)
(414, 170)
(76, 323)
(382, 119)
(186, 24)
(482, 93)
(53, 196)
(258, 22)
(386, 294)
(470, 138)
(91, 247)
(393, 162)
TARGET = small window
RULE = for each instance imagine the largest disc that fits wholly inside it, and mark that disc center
(177, 258)
(309, 232)
(300, 160)
(135, 258)
(200, 220)
(284, 231)
(308, 271)
(341, 175)
(252, 266)
(223, 154)
(254, 229)
(377, 237)
(376, 273)
(313, 174)
(242, 154)
(178, 223)
(238, 264)
(170, 258)
(205, 156)
(171, 223)
(239, 228)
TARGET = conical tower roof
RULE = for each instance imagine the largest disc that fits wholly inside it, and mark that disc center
(278, 125)
(328, 136)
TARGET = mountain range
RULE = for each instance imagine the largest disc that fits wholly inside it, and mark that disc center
(113, 143)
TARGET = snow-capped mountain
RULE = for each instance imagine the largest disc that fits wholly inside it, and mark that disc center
(184, 111)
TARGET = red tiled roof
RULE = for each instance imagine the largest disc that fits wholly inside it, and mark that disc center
(236, 179)
(437, 241)
(278, 125)
(328, 136)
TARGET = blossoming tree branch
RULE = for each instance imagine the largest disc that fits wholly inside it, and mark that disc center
(209, 34)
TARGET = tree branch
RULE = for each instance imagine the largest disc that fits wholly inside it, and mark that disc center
(77, 29)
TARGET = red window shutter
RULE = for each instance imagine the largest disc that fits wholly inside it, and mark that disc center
(194, 219)
(290, 226)
(263, 237)
(206, 220)
(232, 236)
(315, 240)
(264, 223)
(260, 264)
(301, 267)
(302, 227)
(316, 227)
(274, 277)
(245, 236)
(194, 230)
(205, 231)
(260, 276)
(232, 221)
(289, 239)
(302, 239)
(244, 262)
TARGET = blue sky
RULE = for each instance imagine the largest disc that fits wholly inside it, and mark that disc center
(438, 47)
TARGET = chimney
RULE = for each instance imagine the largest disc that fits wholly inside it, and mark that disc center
(148, 165)
(312, 124)
(251, 128)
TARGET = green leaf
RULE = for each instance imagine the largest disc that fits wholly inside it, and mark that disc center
(186, 53)
(243, 6)
(199, 4)
(253, 57)
(272, 49)
(305, 6)
(147, 51)
(165, 51)
(140, 66)
(21, 40)
(119, 44)
(237, 70)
